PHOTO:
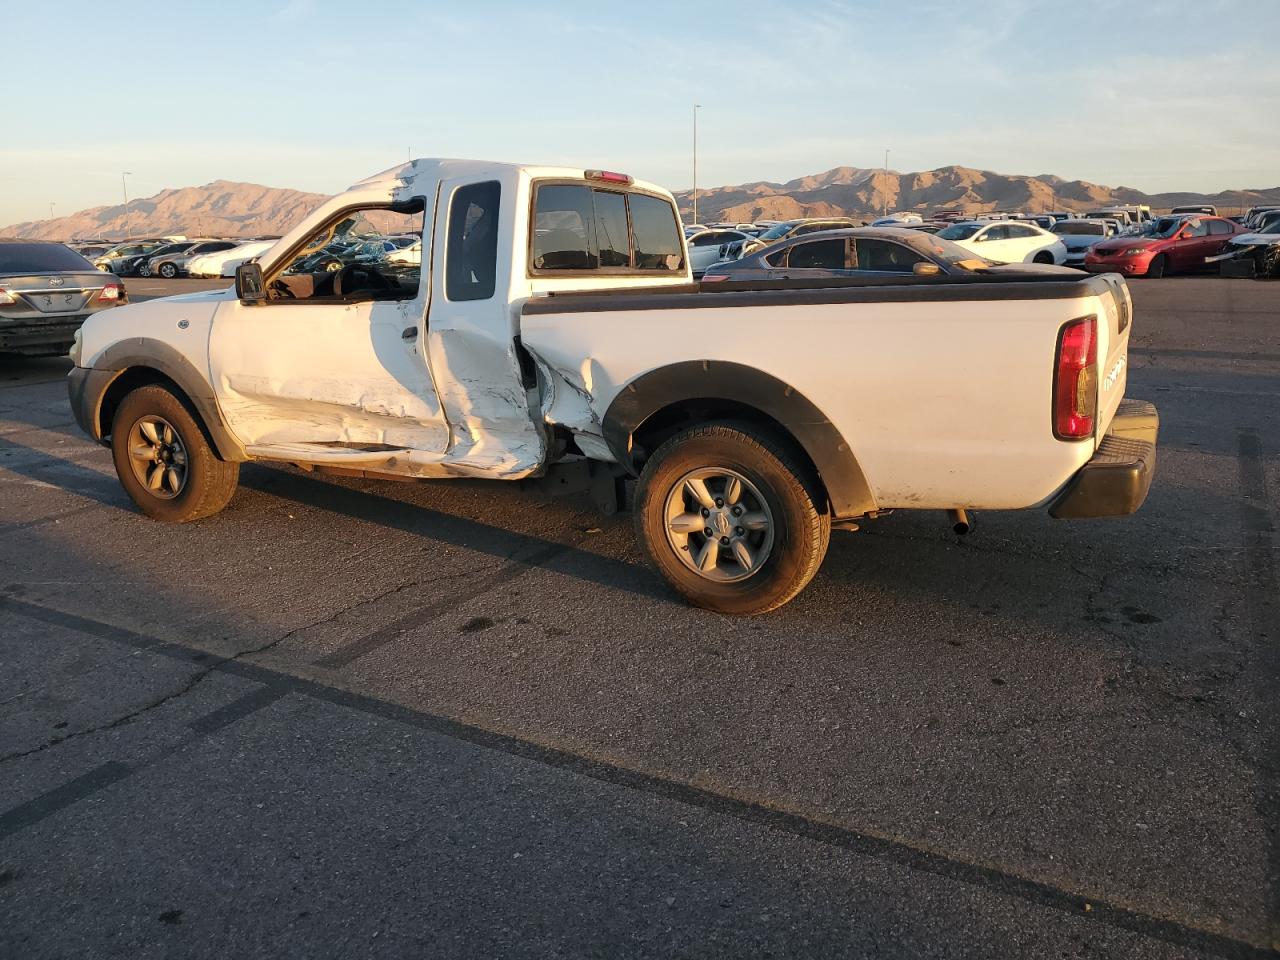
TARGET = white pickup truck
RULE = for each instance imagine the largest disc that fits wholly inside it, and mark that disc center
(552, 330)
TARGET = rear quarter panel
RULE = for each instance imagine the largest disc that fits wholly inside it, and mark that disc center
(943, 404)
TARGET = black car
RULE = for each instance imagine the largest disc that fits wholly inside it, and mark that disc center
(46, 291)
(868, 252)
(132, 266)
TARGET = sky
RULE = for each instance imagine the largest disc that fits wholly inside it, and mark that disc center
(314, 95)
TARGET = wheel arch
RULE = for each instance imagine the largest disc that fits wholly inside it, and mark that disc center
(139, 362)
(661, 402)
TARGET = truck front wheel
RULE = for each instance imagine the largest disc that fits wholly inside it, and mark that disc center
(731, 518)
(163, 460)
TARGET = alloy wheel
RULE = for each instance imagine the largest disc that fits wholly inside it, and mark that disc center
(719, 524)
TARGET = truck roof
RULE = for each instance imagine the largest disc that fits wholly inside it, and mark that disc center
(439, 168)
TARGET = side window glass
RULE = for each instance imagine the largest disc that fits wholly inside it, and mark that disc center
(656, 233)
(338, 264)
(1198, 228)
(1219, 227)
(562, 227)
(471, 251)
(611, 229)
(818, 254)
(885, 256)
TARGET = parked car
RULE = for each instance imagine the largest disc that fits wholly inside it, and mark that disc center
(1251, 254)
(897, 220)
(1176, 246)
(1205, 209)
(46, 292)
(738, 412)
(223, 263)
(861, 252)
(1253, 213)
(791, 228)
(133, 266)
(410, 256)
(113, 260)
(708, 247)
(1007, 241)
(1079, 236)
(175, 264)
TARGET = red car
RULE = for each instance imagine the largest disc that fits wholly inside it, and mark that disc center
(1178, 244)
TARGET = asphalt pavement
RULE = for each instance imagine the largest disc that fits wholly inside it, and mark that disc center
(458, 719)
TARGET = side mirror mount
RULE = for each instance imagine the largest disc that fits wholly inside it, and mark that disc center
(249, 286)
(923, 268)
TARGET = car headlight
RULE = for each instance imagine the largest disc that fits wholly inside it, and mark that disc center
(1134, 251)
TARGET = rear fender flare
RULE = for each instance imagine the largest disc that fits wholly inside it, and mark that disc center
(846, 485)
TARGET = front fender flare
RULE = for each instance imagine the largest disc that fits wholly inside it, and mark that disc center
(847, 488)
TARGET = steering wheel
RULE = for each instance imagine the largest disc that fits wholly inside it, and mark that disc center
(346, 281)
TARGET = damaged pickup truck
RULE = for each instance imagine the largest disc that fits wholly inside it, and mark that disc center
(552, 330)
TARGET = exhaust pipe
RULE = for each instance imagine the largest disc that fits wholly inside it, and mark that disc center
(960, 523)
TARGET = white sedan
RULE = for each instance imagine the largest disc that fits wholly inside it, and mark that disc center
(1007, 241)
(224, 262)
(704, 247)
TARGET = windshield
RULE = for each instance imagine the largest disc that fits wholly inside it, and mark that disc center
(38, 257)
(1167, 226)
(939, 248)
(959, 231)
(777, 231)
(1079, 227)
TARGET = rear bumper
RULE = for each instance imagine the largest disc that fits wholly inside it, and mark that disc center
(40, 337)
(1115, 481)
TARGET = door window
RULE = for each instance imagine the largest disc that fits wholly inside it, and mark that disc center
(884, 255)
(1196, 228)
(1017, 231)
(818, 254)
(345, 261)
(471, 254)
(999, 232)
(1219, 228)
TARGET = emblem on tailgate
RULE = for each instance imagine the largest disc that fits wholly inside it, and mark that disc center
(1110, 380)
(56, 281)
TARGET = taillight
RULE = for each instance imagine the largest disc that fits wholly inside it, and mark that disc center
(111, 291)
(609, 176)
(1075, 388)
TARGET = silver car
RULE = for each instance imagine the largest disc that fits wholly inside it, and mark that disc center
(175, 264)
(46, 292)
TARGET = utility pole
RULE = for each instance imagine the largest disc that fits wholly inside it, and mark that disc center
(885, 212)
(696, 108)
(51, 206)
(124, 190)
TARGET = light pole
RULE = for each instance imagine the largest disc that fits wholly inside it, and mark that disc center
(124, 190)
(52, 204)
(696, 108)
(885, 209)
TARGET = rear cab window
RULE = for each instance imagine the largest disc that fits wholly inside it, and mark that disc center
(581, 228)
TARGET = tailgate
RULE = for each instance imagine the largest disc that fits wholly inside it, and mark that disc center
(1115, 321)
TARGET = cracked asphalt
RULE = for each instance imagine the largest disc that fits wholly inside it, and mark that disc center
(368, 719)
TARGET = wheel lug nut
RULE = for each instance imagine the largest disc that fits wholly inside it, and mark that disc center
(739, 531)
(719, 502)
(707, 532)
(706, 512)
(737, 511)
(724, 541)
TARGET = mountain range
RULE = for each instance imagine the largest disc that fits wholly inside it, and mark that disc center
(226, 208)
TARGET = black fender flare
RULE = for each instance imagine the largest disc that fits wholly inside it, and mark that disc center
(89, 386)
(847, 488)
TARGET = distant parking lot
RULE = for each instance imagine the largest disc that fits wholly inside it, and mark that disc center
(457, 719)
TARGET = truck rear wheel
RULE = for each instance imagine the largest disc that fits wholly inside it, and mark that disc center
(731, 518)
(163, 460)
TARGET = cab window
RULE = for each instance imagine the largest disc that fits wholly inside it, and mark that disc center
(471, 254)
(346, 260)
(577, 227)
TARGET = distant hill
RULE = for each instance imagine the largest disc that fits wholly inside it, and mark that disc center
(225, 208)
(221, 209)
(859, 192)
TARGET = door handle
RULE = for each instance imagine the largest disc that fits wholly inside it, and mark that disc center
(409, 333)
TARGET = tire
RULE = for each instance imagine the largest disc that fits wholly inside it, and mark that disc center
(1158, 266)
(785, 540)
(1044, 256)
(168, 271)
(175, 494)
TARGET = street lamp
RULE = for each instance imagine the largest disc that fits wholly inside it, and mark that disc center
(124, 189)
(51, 206)
(885, 208)
(696, 108)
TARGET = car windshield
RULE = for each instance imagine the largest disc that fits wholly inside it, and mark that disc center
(1079, 228)
(937, 247)
(777, 231)
(19, 258)
(1167, 226)
(959, 231)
